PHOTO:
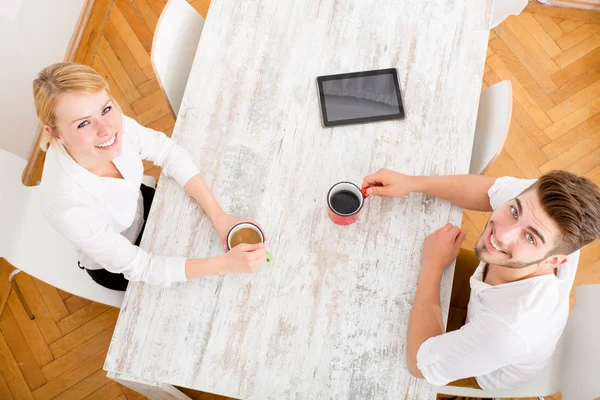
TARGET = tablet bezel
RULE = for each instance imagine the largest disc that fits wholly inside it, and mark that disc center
(325, 121)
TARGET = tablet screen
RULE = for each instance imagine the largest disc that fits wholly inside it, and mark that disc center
(360, 97)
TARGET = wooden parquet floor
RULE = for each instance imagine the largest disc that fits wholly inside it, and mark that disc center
(60, 353)
(551, 55)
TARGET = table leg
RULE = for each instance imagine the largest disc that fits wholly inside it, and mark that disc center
(152, 389)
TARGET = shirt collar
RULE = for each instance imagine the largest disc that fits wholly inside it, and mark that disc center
(93, 183)
(478, 285)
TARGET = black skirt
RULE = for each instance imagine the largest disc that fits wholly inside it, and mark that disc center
(109, 279)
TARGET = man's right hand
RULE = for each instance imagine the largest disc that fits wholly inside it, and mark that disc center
(388, 183)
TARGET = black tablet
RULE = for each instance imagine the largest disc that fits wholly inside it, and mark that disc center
(360, 97)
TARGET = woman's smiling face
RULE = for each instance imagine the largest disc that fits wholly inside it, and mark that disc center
(89, 126)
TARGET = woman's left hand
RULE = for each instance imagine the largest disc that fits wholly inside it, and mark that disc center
(225, 222)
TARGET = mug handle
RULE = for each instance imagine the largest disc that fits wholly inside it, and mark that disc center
(364, 192)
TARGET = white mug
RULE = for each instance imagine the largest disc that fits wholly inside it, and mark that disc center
(247, 225)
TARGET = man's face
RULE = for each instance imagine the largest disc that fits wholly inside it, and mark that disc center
(518, 234)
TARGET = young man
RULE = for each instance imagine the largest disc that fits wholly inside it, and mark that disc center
(519, 300)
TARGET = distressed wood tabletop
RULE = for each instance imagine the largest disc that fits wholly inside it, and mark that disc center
(328, 318)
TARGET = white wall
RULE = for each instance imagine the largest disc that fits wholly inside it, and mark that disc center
(33, 34)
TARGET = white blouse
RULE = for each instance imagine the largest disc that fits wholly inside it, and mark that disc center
(103, 216)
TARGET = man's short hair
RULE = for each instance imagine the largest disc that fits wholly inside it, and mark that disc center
(573, 202)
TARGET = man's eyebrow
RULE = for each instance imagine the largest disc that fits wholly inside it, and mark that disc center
(519, 205)
(531, 228)
(537, 233)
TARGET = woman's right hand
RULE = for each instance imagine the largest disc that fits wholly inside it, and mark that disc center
(387, 183)
(244, 258)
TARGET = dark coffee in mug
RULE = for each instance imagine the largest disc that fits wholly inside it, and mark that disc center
(345, 202)
(245, 235)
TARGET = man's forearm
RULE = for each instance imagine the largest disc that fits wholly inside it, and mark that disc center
(425, 317)
(466, 191)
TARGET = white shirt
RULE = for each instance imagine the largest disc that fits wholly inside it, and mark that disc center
(103, 216)
(511, 329)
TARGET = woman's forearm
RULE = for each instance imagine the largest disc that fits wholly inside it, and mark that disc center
(199, 267)
(197, 189)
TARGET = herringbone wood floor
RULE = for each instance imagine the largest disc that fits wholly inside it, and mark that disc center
(551, 55)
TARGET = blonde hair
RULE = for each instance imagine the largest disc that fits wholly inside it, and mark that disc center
(57, 79)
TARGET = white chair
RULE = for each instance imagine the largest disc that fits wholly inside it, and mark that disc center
(502, 9)
(29, 243)
(149, 181)
(573, 367)
(174, 47)
(491, 130)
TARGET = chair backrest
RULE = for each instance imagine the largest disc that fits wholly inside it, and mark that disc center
(174, 47)
(493, 121)
(502, 9)
(32, 245)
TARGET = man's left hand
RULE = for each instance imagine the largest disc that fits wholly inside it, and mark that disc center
(442, 247)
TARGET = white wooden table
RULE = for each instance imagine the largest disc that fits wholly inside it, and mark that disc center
(328, 318)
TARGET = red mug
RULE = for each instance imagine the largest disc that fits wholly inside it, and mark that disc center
(344, 200)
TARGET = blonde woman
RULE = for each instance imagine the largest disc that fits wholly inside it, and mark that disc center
(92, 190)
